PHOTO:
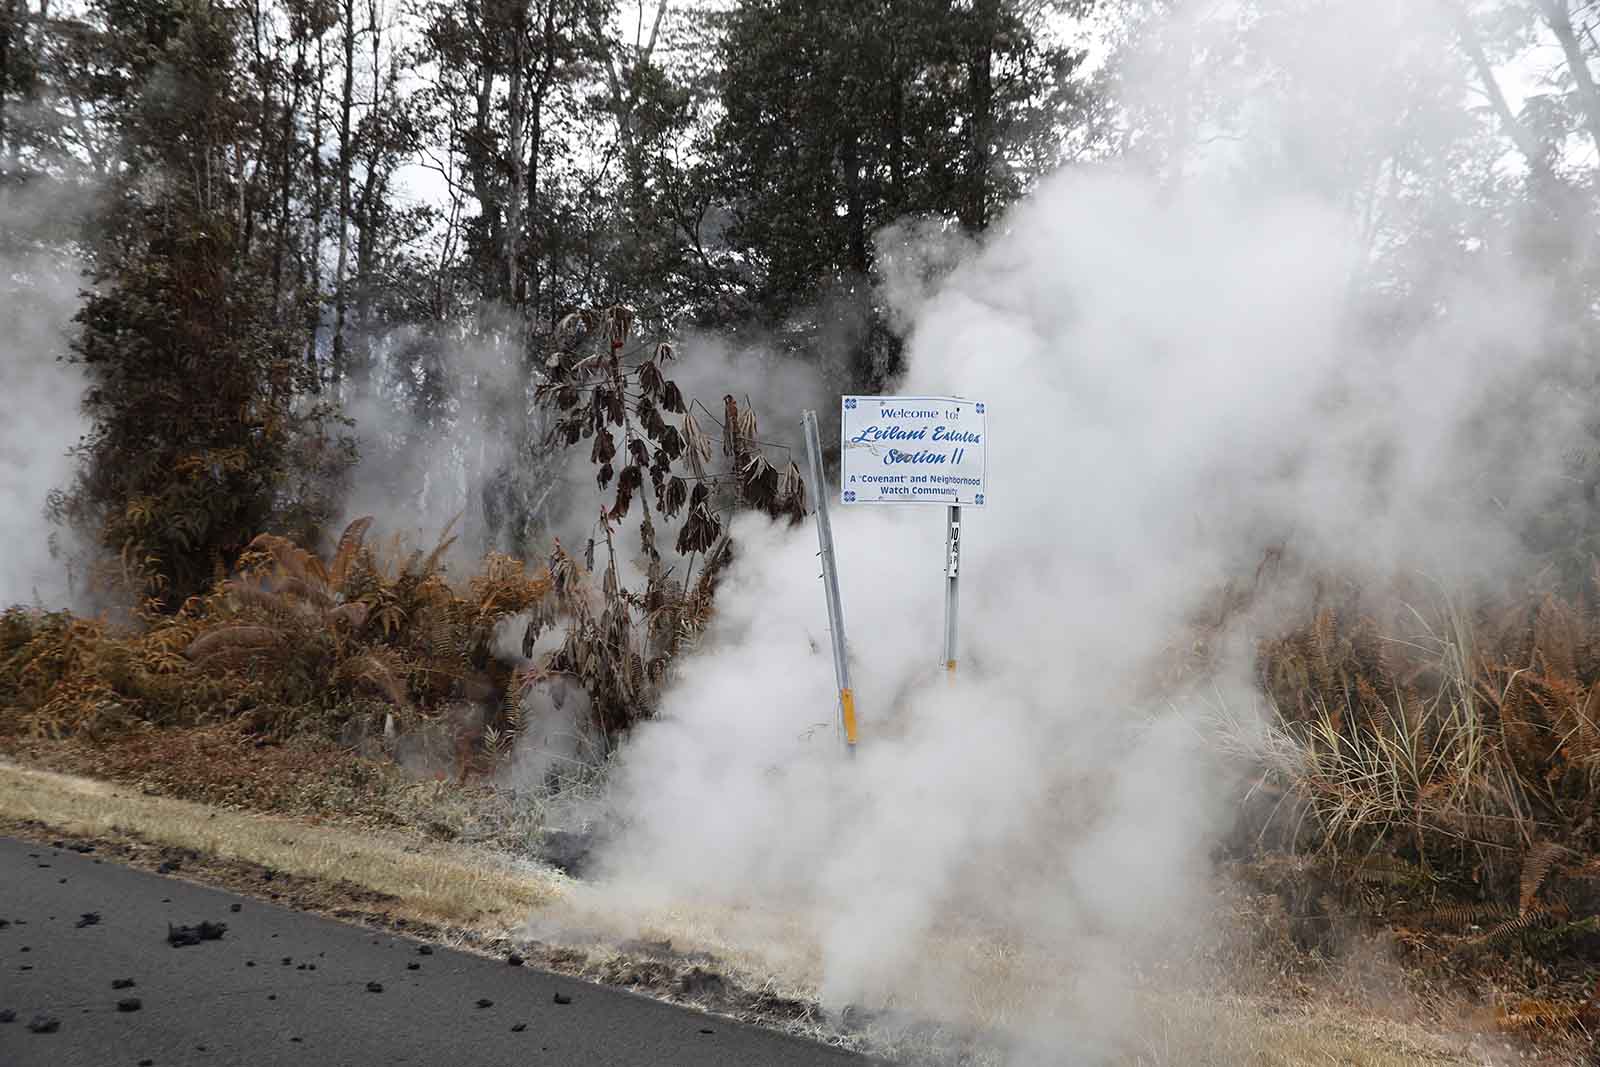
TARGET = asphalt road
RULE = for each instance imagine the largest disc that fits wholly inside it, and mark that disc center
(245, 999)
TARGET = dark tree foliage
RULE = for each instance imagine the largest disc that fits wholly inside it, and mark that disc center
(198, 441)
(842, 116)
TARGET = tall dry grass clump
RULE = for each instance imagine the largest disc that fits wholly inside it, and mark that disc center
(1440, 760)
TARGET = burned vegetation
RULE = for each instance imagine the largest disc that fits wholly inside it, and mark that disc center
(378, 640)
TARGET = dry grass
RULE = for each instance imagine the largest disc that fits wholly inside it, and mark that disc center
(432, 882)
(1196, 1031)
(967, 989)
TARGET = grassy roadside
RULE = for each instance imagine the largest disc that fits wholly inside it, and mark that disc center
(477, 898)
(420, 880)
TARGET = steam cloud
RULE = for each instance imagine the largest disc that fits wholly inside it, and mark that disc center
(38, 295)
(1178, 374)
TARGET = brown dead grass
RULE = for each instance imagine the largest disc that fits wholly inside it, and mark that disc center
(1249, 1032)
(431, 882)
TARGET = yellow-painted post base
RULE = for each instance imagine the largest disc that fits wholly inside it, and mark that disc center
(847, 701)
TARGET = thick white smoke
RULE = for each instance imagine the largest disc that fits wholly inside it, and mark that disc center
(1176, 378)
(41, 421)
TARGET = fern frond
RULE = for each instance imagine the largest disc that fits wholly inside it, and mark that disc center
(291, 558)
(1535, 918)
(247, 593)
(231, 638)
(430, 565)
(1460, 916)
(1536, 868)
(349, 546)
(379, 672)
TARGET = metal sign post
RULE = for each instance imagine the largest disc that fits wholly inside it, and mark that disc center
(846, 723)
(952, 571)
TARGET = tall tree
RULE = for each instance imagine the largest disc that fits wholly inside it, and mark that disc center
(198, 442)
(841, 116)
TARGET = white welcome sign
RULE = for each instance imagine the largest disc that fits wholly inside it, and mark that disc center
(914, 450)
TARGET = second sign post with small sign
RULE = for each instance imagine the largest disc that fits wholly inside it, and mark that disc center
(901, 450)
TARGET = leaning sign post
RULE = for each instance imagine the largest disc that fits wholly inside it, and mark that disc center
(901, 450)
(919, 450)
(846, 723)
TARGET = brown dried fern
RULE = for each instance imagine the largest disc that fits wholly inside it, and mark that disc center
(1536, 867)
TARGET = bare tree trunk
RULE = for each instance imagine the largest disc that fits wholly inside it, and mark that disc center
(251, 200)
(1514, 129)
(897, 116)
(319, 208)
(13, 41)
(1559, 14)
(480, 163)
(980, 96)
(547, 72)
(371, 193)
(516, 119)
(286, 159)
(341, 294)
(855, 202)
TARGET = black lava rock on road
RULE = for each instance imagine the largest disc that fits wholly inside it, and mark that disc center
(179, 936)
(279, 1017)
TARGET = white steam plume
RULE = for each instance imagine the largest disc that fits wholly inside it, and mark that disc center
(1176, 377)
(40, 415)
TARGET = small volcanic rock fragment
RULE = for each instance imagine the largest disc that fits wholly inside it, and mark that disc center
(514, 960)
(518, 1028)
(485, 1002)
(374, 987)
(44, 1024)
(122, 983)
(129, 1004)
(562, 998)
(235, 907)
(179, 936)
(413, 966)
(424, 950)
(89, 918)
(8, 1016)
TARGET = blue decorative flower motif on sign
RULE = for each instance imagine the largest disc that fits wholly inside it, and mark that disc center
(850, 404)
(978, 499)
(849, 498)
(980, 408)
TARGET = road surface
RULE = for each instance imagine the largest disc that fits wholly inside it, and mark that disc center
(283, 987)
